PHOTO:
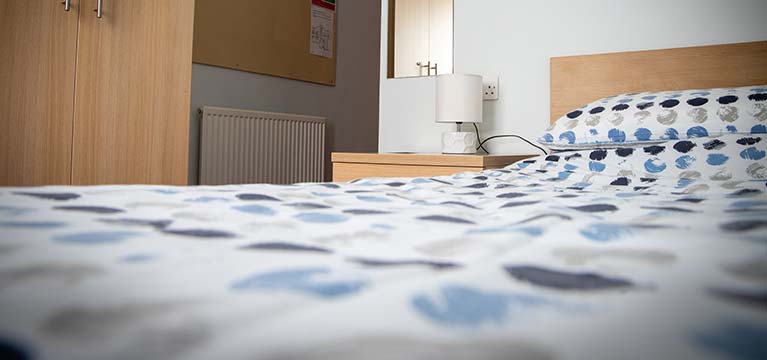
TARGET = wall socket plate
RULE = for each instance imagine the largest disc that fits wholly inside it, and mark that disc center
(490, 88)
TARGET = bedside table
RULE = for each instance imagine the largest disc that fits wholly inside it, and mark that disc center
(350, 166)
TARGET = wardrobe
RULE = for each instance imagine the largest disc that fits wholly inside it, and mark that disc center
(95, 91)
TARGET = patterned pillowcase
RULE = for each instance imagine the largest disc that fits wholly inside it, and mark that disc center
(726, 160)
(645, 118)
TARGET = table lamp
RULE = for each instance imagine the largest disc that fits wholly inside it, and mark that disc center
(459, 100)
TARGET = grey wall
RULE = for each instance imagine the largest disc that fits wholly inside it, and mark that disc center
(351, 107)
(514, 39)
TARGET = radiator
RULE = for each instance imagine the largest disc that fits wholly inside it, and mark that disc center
(243, 146)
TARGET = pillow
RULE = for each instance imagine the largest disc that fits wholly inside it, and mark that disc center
(728, 160)
(652, 117)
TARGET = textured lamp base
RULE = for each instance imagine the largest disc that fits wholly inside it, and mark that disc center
(459, 143)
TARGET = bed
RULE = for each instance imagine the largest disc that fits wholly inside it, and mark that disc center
(595, 252)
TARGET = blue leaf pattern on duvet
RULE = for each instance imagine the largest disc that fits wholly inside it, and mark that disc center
(312, 281)
(616, 135)
(468, 307)
(567, 136)
(208, 199)
(684, 162)
(596, 166)
(256, 209)
(717, 159)
(606, 232)
(377, 199)
(527, 230)
(752, 153)
(654, 166)
(322, 218)
(136, 258)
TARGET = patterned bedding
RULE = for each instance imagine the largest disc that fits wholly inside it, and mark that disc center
(654, 253)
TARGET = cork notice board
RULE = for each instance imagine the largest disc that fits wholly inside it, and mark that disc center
(269, 37)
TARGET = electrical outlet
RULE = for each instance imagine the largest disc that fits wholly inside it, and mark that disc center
(490, 88)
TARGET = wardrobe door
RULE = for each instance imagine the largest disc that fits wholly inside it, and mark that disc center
(441, 35)
(38, 44)
(411, 34)
(133, 82)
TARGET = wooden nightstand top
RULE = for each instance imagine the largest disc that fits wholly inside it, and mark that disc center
(483, 161)
(348, 166)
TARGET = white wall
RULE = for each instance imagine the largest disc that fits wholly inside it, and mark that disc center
(351, 107)
(515, 39)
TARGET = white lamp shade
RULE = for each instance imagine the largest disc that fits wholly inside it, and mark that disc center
(459, 98)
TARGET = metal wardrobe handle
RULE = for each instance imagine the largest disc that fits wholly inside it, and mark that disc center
(99, 6)
(66, 5)
(421, 66)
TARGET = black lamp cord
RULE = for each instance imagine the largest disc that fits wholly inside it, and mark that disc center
(481, 146)
(482, 142)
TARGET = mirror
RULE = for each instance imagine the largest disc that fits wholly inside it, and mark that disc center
(420, 38)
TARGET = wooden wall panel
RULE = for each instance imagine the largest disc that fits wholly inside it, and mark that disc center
(261, 36)
(578, 80)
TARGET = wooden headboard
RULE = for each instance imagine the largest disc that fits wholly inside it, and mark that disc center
(578, 80)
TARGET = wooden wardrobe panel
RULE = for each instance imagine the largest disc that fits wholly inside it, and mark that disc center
(38, 44)
(134, 70)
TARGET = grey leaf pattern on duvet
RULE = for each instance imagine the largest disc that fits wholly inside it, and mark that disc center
(565, 280)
